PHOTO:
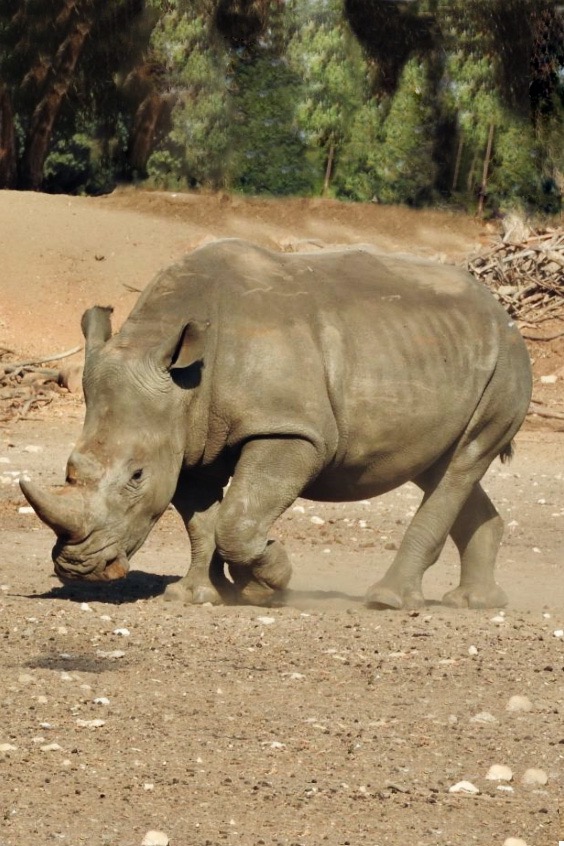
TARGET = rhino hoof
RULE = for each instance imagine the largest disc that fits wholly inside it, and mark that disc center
(475, 597)
(380, 596)
(195, 595)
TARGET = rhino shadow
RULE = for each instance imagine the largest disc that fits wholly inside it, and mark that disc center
(137, 585)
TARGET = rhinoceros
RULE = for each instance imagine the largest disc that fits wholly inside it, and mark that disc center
(245, 378)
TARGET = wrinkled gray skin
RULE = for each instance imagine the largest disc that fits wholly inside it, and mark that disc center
(332, 376)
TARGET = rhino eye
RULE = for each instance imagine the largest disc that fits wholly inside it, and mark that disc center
(137, 476)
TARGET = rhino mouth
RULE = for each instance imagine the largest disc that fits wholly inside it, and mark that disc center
(105, 569)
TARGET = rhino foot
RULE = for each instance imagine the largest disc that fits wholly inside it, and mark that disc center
(490, 596)
(192, 594)
(382, 596)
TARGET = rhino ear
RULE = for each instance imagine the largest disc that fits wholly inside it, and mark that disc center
(96, 326)
(187, 348)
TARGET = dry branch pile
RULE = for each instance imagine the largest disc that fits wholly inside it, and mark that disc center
(525, 271)
(27, 385)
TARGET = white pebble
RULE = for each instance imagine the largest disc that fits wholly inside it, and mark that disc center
(7, 747)
(514, 841)
(499, 618)
(534, 777)
(483, 717)
(505, 788)
(155, 838)
(499, 772)
(472, 650)
(519, 703)
(148, 786)
(317, 521)
(277, 745)
(465, 787)
(84, 606)
(51, 747)
(101, 700)
(66, 677)
(549, 380)
(93, 724)
(32, 448)
(122, 632)
(299, 509)
(559, 633)
(26, 509)
(113, 653)
(266, 621)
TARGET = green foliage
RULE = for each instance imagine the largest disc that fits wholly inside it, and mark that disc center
(278, 97)
(195, 151)
(404, 164)
(270, 155)
(334, 72)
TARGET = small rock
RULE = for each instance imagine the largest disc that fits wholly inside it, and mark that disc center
(317, 521)
(559, 633)
(483, 717)
(122, 632)
(499, 772)
(101, 700)
(25, 678)
(33, 448)
(514, 841)
(93, 724)
(534, 777)
(465, 787)
(299, 509)
(84, 606)
(25, 509)
(277, 745)
(7, 747)
(113, 653)
(266, 621)
(549, 380)
(499, 618)
(155, 838)
(51, 747)
(472, 650)
(148, 786)
(519, 703)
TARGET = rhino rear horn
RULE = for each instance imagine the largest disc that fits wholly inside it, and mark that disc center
(63, 513)
(96, 326)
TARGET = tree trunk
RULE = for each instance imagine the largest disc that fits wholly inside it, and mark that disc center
(456, 173)
(146, 121)
(487, 158)
(7, 141)
(329, 169)
(47, 110)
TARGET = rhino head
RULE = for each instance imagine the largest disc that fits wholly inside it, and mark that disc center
(123, 471)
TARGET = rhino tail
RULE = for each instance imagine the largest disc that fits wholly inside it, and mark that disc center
(507, 452)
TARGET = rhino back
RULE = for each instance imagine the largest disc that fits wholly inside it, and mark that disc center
(357, 352)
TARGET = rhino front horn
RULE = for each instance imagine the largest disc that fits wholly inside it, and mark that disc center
(64, 512)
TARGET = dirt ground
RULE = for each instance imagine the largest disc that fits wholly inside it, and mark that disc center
(319, 722)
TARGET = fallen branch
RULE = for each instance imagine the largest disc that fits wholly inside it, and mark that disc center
(34, 362)
(543, 411)
(530, 337)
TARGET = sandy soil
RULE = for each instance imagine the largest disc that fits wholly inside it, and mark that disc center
(320, 722)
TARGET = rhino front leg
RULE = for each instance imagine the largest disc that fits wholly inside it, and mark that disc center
(269, 476)
(477, 534)
(197, 501)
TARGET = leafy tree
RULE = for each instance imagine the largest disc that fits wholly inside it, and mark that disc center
(269, 150)
(334, 71)
(194, 66)
(405, 166)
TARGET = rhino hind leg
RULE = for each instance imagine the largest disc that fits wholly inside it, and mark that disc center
(444, 509)
(477, 534)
